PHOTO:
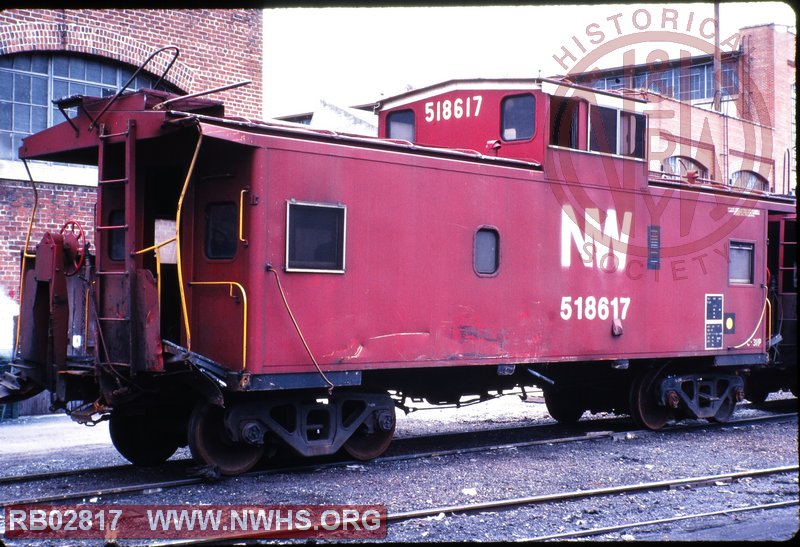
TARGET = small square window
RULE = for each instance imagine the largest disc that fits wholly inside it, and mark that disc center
(315, 238)
(222, 223)
(401, 125)
(487, 251)
(740, 268)
(519, 116)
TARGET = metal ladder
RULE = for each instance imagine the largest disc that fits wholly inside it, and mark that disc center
(108, 269)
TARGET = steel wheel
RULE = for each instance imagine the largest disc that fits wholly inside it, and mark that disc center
(210, 445)
(562, 407)
(725, 411)
(370, 442)
(645, 409)
(140, 440)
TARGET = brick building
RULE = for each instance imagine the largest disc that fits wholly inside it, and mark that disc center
(47, 54)
(750, 142)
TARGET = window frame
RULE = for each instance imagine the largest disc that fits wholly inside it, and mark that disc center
(754, 180)
(503, 119)
(234, 232)
(591, 135)
(684, 165)
(639, 134)
(496, 232)
(288, 267)
(565, 113)
(398, 113)
(742, 245)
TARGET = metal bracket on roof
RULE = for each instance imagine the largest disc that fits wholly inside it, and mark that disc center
(136, 73)
(162, 105)
(69, 102)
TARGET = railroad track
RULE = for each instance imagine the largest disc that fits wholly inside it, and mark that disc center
(638, 524)
(598, 427)
(589, 428)
(393, 519)
(205, 475)
(582, 494)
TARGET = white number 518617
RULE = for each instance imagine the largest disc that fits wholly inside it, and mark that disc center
(591, 308)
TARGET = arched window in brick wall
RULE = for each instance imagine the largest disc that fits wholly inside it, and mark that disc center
(678, 166)
(749, 180)
(29, 82)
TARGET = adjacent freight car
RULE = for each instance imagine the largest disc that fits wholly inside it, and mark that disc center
(256, 284)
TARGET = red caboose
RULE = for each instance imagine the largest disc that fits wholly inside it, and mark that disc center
(255, 283)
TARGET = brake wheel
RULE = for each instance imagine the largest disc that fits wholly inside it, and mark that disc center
(74, 246)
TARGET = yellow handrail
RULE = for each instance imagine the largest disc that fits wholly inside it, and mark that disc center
(25, 254)
(231, 285)
(156, 246)
(178, 240)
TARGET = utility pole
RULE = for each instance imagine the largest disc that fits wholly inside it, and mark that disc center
(717, 63)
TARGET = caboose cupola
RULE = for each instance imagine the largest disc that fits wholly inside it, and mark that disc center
(543, 120)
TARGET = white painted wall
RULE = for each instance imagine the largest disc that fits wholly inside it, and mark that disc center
(8, 310)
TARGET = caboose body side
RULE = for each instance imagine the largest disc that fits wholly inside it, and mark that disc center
(313, 272)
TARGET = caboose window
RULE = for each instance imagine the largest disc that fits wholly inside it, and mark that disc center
(401, 125)
(632, 136)
(519, 117)
(564, 121)
(740, 267)
(487, 251)
(221, 230)
(315, 237)
(603, 129)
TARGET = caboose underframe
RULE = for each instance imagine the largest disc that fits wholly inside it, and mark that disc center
(259, 284)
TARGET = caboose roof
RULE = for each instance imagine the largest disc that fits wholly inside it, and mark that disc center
(251, 133)
(76, 140)
(550, 86)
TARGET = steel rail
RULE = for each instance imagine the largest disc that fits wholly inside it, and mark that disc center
(588, 436)
(514, 502)
(33, 477)
(580, 494)
(639, 524)
(59, 474)
(109, 491)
